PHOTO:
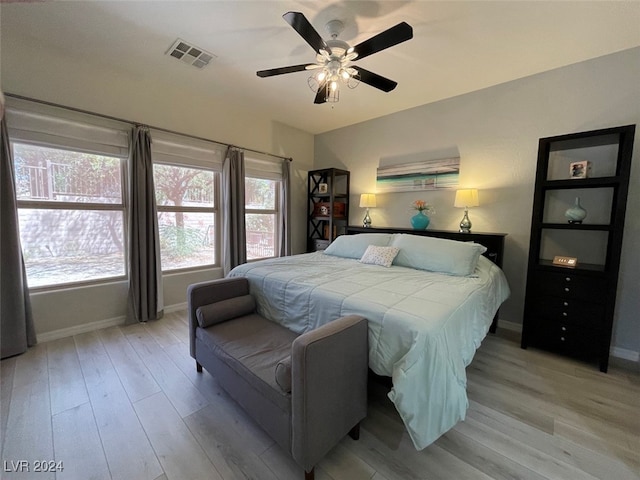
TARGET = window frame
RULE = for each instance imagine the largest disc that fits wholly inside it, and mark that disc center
(260, 211)
(191, 209)
(121, 207)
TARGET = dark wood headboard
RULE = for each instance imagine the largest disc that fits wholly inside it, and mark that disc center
(493, 241)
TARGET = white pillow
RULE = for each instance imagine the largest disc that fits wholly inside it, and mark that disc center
(354, 246)
(437, 254)
(375, 255)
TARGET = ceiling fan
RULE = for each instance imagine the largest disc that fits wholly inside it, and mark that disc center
(333, 60)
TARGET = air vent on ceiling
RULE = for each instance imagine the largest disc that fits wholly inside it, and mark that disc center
(189, 54)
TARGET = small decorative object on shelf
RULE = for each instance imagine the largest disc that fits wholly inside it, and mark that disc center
(579, 169)
(563, 261)
(323, 209)
(367, 200)
(421, 220)
(576, 213)
(323, 188)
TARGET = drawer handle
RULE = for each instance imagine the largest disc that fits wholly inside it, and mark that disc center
(568, 279)
(566, 289)
(565, 314)
(566, 304)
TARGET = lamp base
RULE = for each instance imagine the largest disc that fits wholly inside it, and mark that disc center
(366, 221)
(465, 223)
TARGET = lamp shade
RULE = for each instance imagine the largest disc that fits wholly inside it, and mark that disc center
(367, 200)
(467, 197)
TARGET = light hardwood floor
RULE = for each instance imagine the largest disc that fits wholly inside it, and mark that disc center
(127, 403)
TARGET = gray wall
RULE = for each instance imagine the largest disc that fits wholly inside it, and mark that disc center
(495, 132)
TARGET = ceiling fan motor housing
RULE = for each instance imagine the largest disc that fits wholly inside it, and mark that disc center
(334, 27)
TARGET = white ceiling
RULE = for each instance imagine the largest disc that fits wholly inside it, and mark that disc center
(458, 46)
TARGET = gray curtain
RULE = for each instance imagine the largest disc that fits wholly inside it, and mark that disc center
(234, 240)
(145, 272)
(285, 209)
(17, 332)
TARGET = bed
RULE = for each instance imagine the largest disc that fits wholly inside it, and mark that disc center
(424, 325)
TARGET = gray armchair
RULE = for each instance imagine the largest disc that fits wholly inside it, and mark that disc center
(306, 391)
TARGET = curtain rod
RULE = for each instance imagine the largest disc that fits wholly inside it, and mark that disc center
(109, 117)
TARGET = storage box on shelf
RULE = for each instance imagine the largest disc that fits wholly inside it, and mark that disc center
(570, 310)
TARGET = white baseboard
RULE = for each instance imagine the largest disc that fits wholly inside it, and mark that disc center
(617, 352)
(625, 354)
(78, 329)
(98, 325)
(176, 307)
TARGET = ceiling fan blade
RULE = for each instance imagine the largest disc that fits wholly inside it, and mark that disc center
(393, 36)
(321, 96)
(301, 25)
(283, 70)
(375, 80)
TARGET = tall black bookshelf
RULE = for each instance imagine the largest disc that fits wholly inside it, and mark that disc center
(572, 275)
(327, 206)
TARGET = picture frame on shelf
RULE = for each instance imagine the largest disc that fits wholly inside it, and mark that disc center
(323, 188)
(579, 169)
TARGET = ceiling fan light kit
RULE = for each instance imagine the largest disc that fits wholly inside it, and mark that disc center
(332, 67)
(333, 58)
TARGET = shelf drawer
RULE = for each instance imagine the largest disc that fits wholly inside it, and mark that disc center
(567, 338)
(569, 310)
(569, 286)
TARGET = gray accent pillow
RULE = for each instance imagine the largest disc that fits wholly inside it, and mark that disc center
(283, 374)
(224, 310)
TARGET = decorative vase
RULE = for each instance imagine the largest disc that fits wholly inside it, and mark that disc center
(420, 221)
(576, 213)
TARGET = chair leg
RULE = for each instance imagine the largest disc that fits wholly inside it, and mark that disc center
(355, 432)
(198, 367)
(310, 475)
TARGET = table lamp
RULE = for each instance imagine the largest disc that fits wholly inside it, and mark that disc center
(466, 198)
(367, 200)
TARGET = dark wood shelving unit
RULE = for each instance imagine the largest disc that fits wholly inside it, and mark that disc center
(327, 212)
(570, 310)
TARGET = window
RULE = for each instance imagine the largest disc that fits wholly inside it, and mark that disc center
(71, 214)
(187, 210)
(261, 212)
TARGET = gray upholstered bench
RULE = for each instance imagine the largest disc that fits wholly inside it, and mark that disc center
(306, 391)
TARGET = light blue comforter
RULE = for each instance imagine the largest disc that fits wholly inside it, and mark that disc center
(424, 327)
